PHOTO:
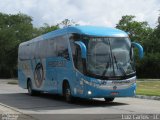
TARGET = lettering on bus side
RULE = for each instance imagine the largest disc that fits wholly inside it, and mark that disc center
(122, 81)
(57, 64)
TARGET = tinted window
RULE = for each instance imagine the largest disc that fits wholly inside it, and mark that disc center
(73, 47)
(57, 46)
(24, 52)
(37, 53)
(62, 47)
(76, 52)
(32, 50)
(51, 48)
(78, 59)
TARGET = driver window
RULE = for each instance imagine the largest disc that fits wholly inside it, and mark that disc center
(98, 56)
(78, 59)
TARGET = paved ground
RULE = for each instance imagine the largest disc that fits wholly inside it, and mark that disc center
(15, 100)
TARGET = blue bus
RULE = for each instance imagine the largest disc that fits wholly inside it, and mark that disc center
(79, 61)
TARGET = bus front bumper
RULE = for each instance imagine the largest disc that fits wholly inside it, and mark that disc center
(92, 92)
(110, 89)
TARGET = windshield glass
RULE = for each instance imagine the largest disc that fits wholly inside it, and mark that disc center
(109, 56)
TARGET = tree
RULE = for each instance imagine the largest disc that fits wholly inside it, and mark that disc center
(152, 61)
(45, 29)
(14, 29)
(150, 40)
(67, 22)
(139, 31)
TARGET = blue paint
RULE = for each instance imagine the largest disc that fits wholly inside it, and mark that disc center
(100, 93)
(140, 49)
(57, 68)
(86, 30)
(22, 79)
(83, 48)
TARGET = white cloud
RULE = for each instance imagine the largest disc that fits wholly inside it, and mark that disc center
(92, 12)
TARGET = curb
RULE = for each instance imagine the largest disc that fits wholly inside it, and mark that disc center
(10, 108)
(15, 111)
(147, 97)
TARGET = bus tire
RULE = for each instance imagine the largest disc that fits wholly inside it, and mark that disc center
(30, 89)
(109, 99)
(67, 93)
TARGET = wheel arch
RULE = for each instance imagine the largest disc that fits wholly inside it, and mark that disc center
(64, 84)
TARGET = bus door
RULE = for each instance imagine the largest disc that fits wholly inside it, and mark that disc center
(80, 66)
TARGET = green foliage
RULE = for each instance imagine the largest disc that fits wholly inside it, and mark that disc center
(148, 87)
(139, 31)
(154, 43)
(67, 22)
(45, 29)
(149, 38)
(15, 29)
(149, 66)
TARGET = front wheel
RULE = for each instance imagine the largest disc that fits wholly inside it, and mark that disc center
(67, 93)
(109, 99)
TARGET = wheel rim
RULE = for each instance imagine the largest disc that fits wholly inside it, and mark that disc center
(68, 94)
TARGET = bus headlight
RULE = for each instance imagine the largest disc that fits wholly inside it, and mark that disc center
(89, 92)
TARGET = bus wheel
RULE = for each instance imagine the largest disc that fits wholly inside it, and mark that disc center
(109, 99)
(67, 93)
(29, 87)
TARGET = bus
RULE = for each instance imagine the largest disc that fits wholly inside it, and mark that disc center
(79, 62)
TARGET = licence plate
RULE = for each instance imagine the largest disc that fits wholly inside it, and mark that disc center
(114, 93)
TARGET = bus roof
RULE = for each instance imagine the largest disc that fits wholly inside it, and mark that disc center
(97, 31)
(86, 30)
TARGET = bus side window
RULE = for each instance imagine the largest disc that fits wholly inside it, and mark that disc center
(62, 47)
(37, 51)
(51, 48)
(78, 59)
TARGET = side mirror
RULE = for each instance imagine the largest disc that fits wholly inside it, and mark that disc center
(140, 49)
(83, 48)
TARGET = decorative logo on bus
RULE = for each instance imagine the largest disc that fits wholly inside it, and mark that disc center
(39, 75)
(114, 87)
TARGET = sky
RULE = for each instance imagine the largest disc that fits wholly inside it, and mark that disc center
(83, 12)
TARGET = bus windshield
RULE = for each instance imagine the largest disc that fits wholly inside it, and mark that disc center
(109, 57)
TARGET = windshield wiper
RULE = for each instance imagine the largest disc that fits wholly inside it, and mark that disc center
(119, 66)
(108, 63)
(107, 66)
(106, 69)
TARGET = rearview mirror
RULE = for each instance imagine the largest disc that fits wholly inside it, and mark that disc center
(140, 49)
(83, 48)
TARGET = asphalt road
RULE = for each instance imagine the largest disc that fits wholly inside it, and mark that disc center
(46, 105)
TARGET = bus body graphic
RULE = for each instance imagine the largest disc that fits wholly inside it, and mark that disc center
(38, 75)
(90, 62)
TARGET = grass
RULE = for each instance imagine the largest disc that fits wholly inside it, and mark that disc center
(148, 87)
